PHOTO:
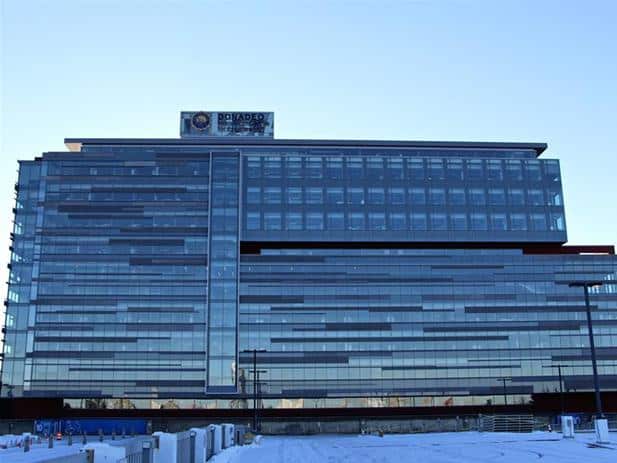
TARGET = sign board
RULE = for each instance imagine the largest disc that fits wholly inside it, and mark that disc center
(226, 124)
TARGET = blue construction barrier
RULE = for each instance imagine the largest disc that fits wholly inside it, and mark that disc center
(91, 426)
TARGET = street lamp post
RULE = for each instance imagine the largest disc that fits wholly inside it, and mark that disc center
(600, 423)
(505, 391)
(255, 379)
(596, 383)
(562, 398)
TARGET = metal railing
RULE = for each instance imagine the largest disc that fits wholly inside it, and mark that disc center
(506, 423)
(138, 450)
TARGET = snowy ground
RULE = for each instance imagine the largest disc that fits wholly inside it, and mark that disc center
(461, 447)
(39, 452)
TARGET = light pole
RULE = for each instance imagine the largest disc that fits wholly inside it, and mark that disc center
(596, 383)
(505, 392)
(561, 396)
(255, 379)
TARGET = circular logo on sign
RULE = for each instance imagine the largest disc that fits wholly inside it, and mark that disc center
(200, 120)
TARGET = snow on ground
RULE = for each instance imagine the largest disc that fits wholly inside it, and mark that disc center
(40, 452)
(463, 447)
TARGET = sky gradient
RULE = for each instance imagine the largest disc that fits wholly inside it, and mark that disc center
(522, 71)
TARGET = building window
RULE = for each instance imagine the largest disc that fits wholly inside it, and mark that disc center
(417, 196)
(455, 169)
(253, 195)
(417, 221)
(272, 195)
(557, 222)
(293, 221)
(395, 168)
(397, 221)
(314, 195)
(294, 195)
(376, 196)
(435, 169)
(272, 167)
(253, 167)
(532, 170)
(374, 168)
(355, 168)
(456, 196)
(535, 197)
(494, 170)
(554, 197)
(518, 222)
(355, 196)
(458, 222)
(294, 166)
(377, 221)
(396, 196)
(336, 221)
(477, 197)
(496, 197)
(437, 196)
(499, 222)
(478, 222)
(551, 170)
(313, 166)
(415, 169)
(356, 221)
(538, 222)
(334, 168)
(314, 221)
(516, 197)
(335, 195)
(253, 221)
(272, 221)
(514, 170)
(439, 222)
(475, 169)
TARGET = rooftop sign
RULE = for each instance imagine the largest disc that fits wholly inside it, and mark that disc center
(226, 124)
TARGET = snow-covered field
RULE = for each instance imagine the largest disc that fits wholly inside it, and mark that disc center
(39, 452)
(463, 447)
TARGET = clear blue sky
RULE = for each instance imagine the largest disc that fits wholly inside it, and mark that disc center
(540, 71)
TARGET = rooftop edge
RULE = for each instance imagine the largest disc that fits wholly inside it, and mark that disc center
(75, 144)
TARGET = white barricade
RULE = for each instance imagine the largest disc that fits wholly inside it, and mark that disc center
(229, 435)
(567, 427)
(200, 444)
(217, 440)
(601, 426)
(105, 453)
(167, 449)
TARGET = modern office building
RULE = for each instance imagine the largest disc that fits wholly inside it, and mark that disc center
(366, 272)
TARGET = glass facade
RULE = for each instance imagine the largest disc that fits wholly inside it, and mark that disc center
(398, 197)
(349, 322)
(145, 269)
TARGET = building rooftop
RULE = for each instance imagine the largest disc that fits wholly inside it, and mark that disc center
(75, 144)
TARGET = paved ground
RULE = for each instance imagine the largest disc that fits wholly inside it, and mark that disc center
(426, 448)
